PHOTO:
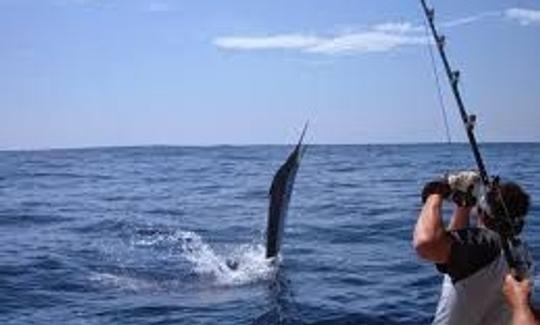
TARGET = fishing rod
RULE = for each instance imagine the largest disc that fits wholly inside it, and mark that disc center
(508, 237)
(453, 77)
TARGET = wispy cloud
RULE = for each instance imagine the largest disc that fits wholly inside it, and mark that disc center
(365, 42)
(392, 27)
(287, 41)
(382, 37)
(471, 19)
(523, 16)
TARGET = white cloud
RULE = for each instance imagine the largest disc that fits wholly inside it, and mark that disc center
(371, 41)
(523, 16)
(382, 37)
(288, 41)
(379, 38)
(471, 19)
(395, 27)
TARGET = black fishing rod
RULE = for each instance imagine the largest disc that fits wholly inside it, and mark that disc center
(508, 237)
(453, 78)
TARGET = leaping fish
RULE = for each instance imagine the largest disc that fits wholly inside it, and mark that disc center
(280, 196)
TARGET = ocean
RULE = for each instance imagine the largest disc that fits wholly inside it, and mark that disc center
(141, 235)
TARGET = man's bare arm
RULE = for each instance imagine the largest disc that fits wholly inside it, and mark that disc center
(460, 218)
(430, 239)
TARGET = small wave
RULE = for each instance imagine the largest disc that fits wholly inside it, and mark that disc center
(101, 227)
(165, 211)
(25, 219)
(67, 175)
(122, 197)
(36, 204)
(122, 282)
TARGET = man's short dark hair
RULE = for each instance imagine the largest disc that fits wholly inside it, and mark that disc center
(516, 204)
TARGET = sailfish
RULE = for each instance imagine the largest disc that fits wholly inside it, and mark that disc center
(279, 196)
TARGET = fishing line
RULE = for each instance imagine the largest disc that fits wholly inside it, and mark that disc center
(438, 83)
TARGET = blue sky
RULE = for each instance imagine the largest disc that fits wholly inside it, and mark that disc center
(79, 73)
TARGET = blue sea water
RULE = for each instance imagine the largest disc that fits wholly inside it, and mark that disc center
(141, 235)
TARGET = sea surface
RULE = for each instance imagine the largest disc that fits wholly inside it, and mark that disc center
(141, 235)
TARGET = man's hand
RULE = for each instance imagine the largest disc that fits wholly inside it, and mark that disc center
(440, 187)
(465, 187)
(517, 293)
(463, 181)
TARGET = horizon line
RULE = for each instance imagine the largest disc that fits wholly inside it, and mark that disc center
(109, 147)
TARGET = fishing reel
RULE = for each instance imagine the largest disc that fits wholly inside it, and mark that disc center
(497, 217)
(495, 211)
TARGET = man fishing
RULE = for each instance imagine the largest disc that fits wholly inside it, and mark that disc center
(470, 258)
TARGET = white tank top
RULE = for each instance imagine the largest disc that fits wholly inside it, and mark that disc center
(477, 299)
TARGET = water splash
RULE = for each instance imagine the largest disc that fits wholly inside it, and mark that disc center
(250, 262)
(238, 265)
